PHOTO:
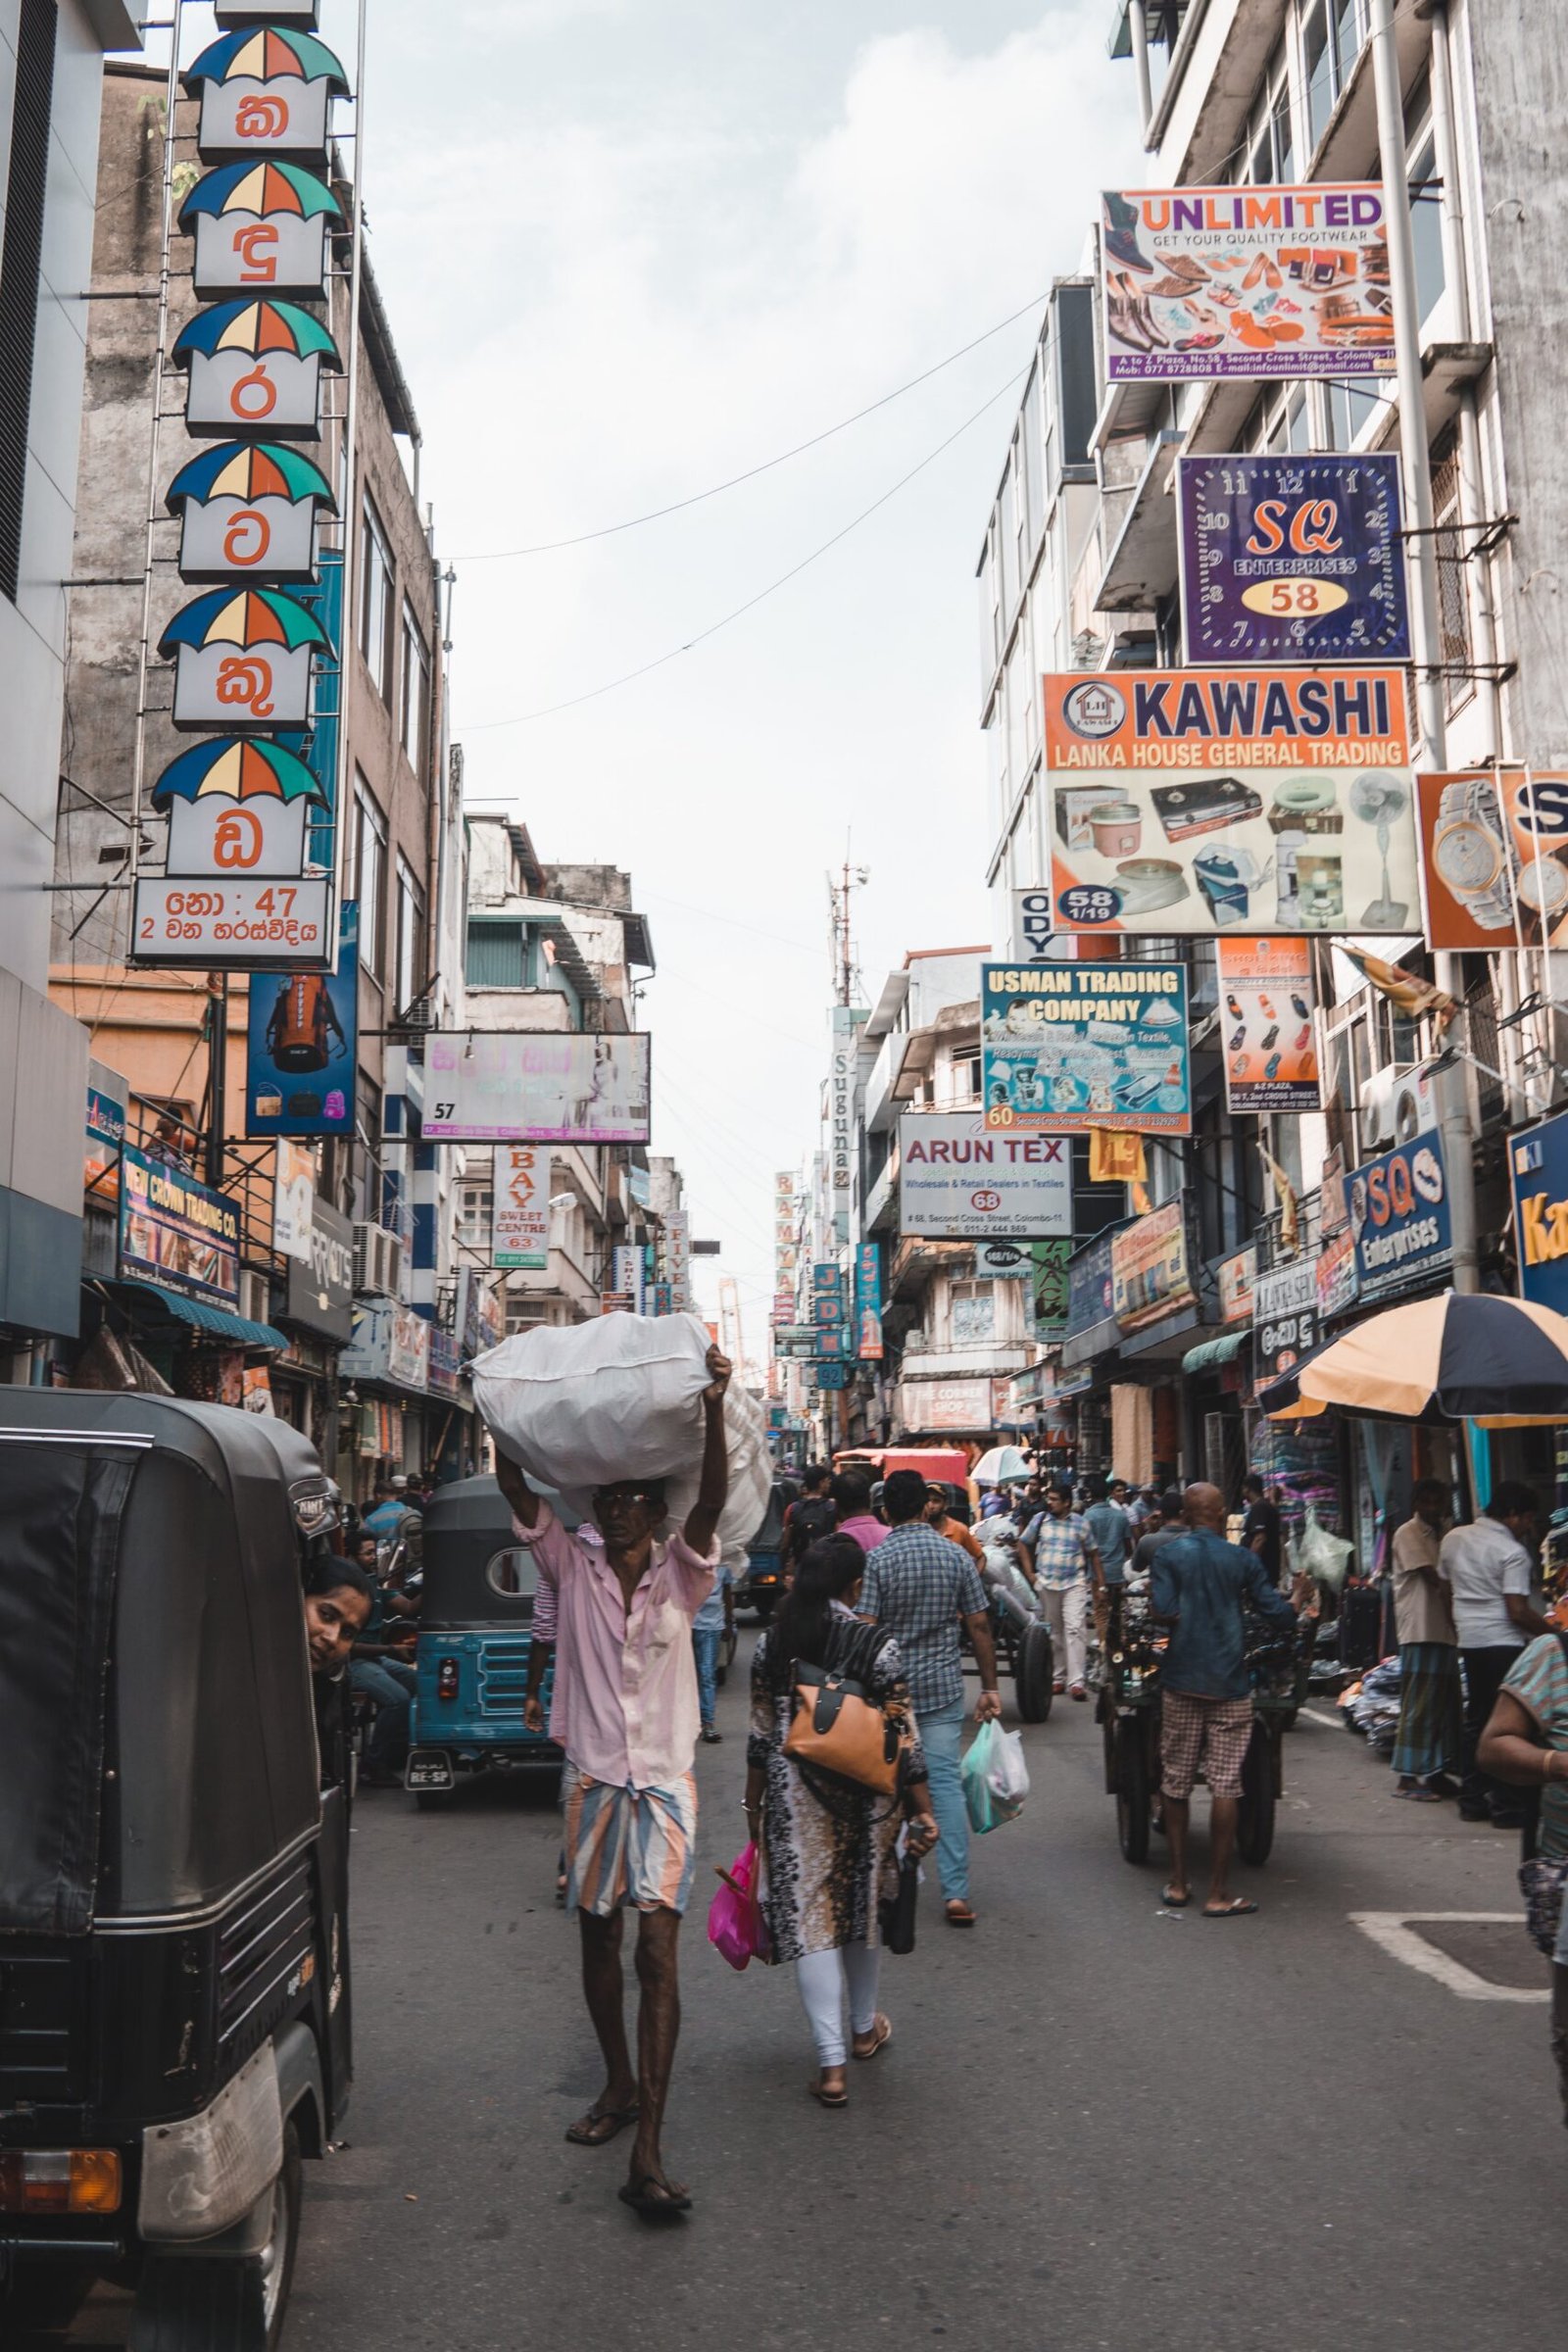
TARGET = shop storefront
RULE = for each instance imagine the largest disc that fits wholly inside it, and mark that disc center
(317, 1311)
(386, 1370)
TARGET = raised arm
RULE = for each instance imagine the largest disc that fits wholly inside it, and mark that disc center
(701, 1523)
(516, 1490)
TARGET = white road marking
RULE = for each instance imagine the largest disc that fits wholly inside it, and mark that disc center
(1395, 1933)
(1331, 1723)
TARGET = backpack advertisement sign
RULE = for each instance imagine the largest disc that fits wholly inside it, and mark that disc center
(304, 1028)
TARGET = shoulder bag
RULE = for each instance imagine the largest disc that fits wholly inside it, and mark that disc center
(837, 1728)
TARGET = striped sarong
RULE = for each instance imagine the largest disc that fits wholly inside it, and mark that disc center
(629, 1845)
(1430, 1710)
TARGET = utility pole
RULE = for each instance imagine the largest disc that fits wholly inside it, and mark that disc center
(216, 1075)
(1426, 612)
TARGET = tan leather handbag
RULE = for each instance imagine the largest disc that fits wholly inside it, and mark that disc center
(838, 1729)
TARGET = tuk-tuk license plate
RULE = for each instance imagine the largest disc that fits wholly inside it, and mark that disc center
(430, 1768)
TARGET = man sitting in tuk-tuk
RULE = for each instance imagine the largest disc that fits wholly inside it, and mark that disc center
(625, 1710)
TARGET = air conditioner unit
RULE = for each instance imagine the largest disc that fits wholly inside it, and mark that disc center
(256, 1297)
(1379, 1098)
(377, 1260)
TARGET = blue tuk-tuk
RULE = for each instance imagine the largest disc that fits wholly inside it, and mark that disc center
(474, 1640)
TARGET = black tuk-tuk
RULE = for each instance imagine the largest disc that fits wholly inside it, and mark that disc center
(476, 1637)
(175, 2030)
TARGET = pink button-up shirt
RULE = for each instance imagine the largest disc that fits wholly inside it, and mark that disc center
(624, 1707)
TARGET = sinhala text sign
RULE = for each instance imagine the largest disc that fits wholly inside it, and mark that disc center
(1197, 802)
(1067, 1047)
(963, 1181)
(536, 1086)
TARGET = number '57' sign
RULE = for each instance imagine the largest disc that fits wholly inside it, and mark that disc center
(1291, 558)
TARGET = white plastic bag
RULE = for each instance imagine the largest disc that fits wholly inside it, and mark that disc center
(1007, 1775)
(991, 1759)
(621, 1397)
(1325, 1557)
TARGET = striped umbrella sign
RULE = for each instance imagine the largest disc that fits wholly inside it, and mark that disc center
(265, 92)
(242, 659)
(249, 510)
(255, 366)
(261, 227)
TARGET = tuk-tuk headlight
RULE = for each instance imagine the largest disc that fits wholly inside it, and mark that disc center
(60, 2180)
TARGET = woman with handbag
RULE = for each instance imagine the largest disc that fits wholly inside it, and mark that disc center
(834, 1764)
(1525, 1742)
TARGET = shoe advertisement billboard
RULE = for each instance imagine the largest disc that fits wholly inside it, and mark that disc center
(1291, 558)
(1249, 281)
(1495, 858)
(1192, 802)
(1068, 1046)
(1268, 1032)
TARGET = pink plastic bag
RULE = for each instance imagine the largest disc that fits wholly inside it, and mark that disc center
(736, 1927)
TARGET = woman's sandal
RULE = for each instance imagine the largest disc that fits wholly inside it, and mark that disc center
(881, 2035)
(601, 2125)
(827, 2098)
(959, 1915)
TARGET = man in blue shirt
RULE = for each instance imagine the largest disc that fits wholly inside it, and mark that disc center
(1199, 1586)
(923, 1588)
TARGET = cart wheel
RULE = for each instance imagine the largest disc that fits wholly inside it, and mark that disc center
(1254, 1828)
(1032, 1670)
(43, 2299)
(1133, 1805)
(217, 2306)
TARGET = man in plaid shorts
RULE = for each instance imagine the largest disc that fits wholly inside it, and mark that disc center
(1199, 1586)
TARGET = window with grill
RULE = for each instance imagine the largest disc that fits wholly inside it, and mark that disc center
(19, 261)
(474, 1216)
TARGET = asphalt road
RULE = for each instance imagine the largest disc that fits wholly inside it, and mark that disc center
(1098, 2124)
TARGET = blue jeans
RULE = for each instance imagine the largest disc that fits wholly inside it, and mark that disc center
(706, 1644)
(392, 1686)
(942, 1735)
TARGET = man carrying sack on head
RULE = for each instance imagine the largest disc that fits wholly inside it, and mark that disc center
(625, 1710)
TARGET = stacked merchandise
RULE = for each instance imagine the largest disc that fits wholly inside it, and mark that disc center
(1299, 1462)
(1372, 1705)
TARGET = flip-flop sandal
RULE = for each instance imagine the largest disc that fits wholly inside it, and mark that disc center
(828, 2098)
(1238, 1909)
(601, 2125)
(962, 1917)
(882, 2031)
(638, 2194)
(1175, 1902)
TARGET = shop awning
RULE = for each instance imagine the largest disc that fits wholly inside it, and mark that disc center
(217, 1325)
(1210, 1353)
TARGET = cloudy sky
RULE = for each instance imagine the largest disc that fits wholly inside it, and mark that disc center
(630, 248)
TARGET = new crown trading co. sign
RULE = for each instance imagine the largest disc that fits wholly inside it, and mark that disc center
(239, 888)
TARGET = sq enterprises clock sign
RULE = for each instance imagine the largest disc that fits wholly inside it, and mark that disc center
(1291, 558)
(239, 889)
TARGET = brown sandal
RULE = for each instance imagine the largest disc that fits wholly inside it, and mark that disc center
(827, 2098)
(959, 1915)
(881, 2035)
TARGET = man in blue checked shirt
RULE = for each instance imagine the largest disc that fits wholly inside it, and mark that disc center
(1061, 1554)
(923, 1588)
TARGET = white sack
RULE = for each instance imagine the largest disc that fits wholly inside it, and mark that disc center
(621, 1397)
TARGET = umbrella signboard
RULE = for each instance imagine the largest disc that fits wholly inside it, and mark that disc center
(1538, 1171)
(265, 92)
(1400, 1221)
(261, 227)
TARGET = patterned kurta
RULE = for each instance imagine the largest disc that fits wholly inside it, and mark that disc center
(826, 1859)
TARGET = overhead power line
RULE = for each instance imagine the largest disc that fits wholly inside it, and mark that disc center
(573, 702)
(610, 530)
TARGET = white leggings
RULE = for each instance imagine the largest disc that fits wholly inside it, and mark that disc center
(820, 1977)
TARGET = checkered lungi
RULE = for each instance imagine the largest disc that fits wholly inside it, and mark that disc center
(1214, 1732)
(629, 1845)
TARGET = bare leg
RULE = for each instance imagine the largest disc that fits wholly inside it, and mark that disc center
(602, 1989)
(657, 2031)
(1223, 1814)
(1178, 1813)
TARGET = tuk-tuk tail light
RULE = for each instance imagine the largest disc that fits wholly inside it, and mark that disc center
(59, 2181)
(446, 1679)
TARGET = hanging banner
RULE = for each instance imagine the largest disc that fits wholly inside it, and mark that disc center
(1400, 1221)
(1067, 1046)
(1291, 558)
(869, 1302)
(1538, 1170)
(628, 1274)
(1336, 1277)
(1052, 1290)
(1149, 1276)
(1237, 1281)
(536, 1086)
(1245, 281)
(846, 1019)
(294, 1201)
(1267, 1025)
(519, 1231)
(175, 1233)
(1032, 923)
(1284, 1318)
(303, 1034)
(1255, 757)
(961, 1180)
(1494, 856)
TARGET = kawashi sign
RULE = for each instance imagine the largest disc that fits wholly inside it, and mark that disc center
(1194, 802)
